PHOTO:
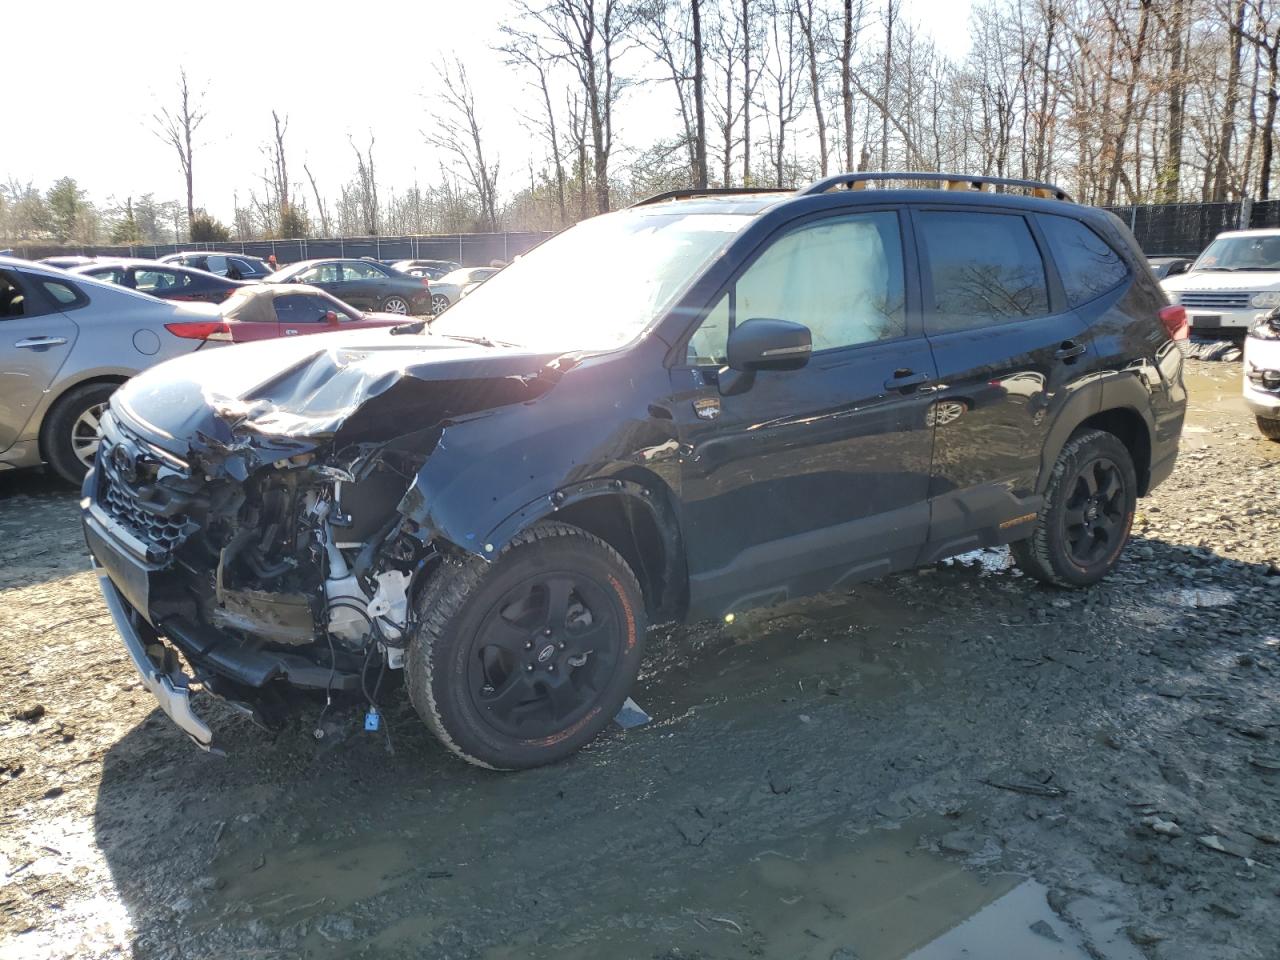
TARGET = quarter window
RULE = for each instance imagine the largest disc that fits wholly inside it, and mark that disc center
(842, 278)
(159, 281)
(321, 273)
(62, 294)
(985, 267)
(1086, 262)
(361, 271)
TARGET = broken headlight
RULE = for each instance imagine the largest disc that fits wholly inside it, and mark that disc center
(1268, 327)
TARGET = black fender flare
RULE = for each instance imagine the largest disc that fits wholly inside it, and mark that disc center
(1117, 390)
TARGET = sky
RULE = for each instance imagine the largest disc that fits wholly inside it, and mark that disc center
(83, 80)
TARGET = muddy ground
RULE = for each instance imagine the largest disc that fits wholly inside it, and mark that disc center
(955, 762)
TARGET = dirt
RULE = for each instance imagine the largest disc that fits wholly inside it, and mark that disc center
(953, 762)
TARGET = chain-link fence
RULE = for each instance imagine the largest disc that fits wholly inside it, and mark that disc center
(468, 249)
(1184, 229)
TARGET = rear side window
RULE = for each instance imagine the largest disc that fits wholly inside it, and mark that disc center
(63, 294)
(1088, 265)
(160, 281)
(985, 267)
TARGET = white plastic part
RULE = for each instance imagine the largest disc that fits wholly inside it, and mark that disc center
(390, 602)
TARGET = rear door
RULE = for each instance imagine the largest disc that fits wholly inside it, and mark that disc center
(1006, 343)
(36, 338)
(324, 276)
(363, 284)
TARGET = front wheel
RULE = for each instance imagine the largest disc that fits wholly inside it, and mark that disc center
(519, 662)
(1087, 514)
(1269, 428)
(439, 304)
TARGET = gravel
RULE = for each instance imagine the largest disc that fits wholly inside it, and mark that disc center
(1121, 746)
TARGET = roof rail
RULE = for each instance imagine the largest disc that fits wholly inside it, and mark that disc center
(695, 192)
(953, 181)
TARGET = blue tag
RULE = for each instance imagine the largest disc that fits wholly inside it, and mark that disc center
(371, 719)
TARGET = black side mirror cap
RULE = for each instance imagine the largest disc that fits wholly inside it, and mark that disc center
(766, 344)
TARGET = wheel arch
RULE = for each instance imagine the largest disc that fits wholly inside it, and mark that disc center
(66, 388)
(633, 512)
(1127, 426)
(1116, 403)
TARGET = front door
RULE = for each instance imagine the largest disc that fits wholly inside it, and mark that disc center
(1006, 345)
(810, 477)
(35, 340)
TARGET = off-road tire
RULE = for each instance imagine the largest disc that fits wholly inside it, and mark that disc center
(1269, 428)
(451, 608)
(55, 436)
(1045, 555)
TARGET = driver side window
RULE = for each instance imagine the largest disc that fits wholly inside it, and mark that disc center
(842, 278)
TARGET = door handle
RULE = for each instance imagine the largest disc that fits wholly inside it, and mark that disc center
(291, 333)
(1069, 350)
(906, 380)
(32, 343)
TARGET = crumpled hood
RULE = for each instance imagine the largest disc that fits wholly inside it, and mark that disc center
(311, 386)
(1215, 280)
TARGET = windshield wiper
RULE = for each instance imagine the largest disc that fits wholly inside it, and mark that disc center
(482, 341)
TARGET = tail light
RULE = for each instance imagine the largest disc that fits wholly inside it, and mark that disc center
(1175, 321)
(201, 330)
(426, 281)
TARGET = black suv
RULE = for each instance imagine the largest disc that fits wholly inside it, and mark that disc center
(740, 399)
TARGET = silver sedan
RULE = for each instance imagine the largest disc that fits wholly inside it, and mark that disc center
(446, 291)
(66, 342)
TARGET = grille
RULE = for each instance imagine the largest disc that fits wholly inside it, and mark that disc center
(165, 533)
(1219, 299)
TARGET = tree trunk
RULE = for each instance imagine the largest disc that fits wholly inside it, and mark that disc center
(1170, 181)
(699, 103)
(846, 83)
(1126, 116)
(1223, 158)
(891, 11)
(746, 93)
(811, 48)
(1269, 122)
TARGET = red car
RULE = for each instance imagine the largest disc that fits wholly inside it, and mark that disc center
(265, 311)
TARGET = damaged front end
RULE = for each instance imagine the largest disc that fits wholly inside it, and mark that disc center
(268, 546)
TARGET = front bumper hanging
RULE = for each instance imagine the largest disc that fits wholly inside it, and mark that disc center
(170, 688)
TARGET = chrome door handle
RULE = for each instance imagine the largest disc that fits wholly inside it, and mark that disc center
(32, 342)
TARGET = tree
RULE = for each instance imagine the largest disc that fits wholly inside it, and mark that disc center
(366, 187)
(524, 48)
(457, 132)
(67, 209)
(809, 30)
(207, 229)
(126, 229)
(177, 128)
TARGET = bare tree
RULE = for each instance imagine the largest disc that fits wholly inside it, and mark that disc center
(457, 132)
(809, 30)
(782, 71)
(321, 210)
(366, 187)
(177, 128)
(699, 99)
(524, 48)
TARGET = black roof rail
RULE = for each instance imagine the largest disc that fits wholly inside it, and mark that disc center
(694, 192)
(953, 181)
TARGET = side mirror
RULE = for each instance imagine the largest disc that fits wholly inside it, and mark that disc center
(331, 318)
(1182, 266)
(767, 344)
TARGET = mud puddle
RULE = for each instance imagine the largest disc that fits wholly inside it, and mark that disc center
(859, 641)
(883, 896)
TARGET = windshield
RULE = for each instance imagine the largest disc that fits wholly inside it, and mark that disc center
(1242, 253)
(596, 286)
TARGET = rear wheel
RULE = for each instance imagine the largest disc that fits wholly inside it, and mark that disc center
(519, 662)
(1269, 428)
(395, 305)
(1088, 511)
(71, 430)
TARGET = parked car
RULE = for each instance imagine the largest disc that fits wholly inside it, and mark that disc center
(264, 311)
(1233, 284)
(168, 281)
(1262, 373)
(233, 266)
(366, 284)
(1164, 267)
(450, 288)
(66, 343)
(69, 262)
(431, 269)
(730, 406)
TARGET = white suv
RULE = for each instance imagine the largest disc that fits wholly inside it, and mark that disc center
(1262, 373)
(1232, 285)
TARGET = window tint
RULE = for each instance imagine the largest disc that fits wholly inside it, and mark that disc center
(216, 265)
(301, 308)
(842, 278)
(62, 294)
(1088, 265)
(159, 281)
(986, 268)
(321, 273)
(361, 271)
(108, 275)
